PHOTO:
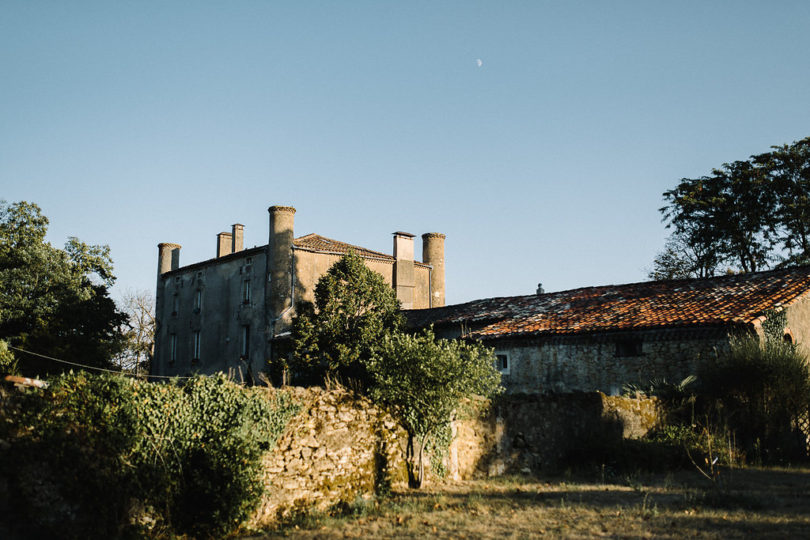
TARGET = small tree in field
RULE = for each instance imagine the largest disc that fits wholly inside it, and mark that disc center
(354, 309)
(421, 380)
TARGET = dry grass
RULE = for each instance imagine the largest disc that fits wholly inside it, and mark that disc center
(750, 503)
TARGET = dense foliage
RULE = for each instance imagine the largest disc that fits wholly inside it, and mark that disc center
(749, 404)
(421, 380)
(54, 301)
(761, 393)
(354, 332)
(745, 216)
(106, 456)
(354, 310)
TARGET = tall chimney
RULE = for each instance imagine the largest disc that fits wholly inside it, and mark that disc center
(168, 257)
(237, 237)
(168, 260)
(223, 244)
(433, 254)
(403, 268)
(279, 265)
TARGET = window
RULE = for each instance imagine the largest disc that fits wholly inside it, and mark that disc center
(244, 352)
(196, 356)
(172, 348)
(246, 291)
(628, 347)
(175, 304)
(502, 363)
(197, 300)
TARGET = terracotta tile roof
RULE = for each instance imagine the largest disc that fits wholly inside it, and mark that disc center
(321, 244)
(316, 242)
(725, 300)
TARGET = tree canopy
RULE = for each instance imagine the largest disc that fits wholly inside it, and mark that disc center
(54, 301)
(745, 216)
(421, 380)
(337, 336)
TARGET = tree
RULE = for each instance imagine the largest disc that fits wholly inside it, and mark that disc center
(682, 260)
(728, 215)
(354, 332)
(54, 302)
(788, 167)
(747, 214)
(421, 380)
(138, 331)
(354, 310)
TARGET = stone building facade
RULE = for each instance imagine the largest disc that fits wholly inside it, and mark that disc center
(234, 311)
(603, 338)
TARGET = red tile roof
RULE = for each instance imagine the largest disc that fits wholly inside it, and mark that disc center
(316, 242)
(321, 244)
(725, 300)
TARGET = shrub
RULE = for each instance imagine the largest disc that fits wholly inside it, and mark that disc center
(8, 364)
(760, 392)
(91, 448)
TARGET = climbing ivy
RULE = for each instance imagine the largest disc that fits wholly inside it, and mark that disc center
(774, 324)
(188, 454)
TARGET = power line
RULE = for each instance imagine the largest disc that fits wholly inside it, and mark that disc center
(85, 366)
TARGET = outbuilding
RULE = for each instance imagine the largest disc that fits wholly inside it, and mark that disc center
(603, 338)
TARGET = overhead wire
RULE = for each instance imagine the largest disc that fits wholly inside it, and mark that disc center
(96, 368)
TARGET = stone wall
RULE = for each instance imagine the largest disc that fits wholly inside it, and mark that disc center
(342, 447)
(606, 362)
(310, 266)
(537, 433)
(208, 298)
(798, 323)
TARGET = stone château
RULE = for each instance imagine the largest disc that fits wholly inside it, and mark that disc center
(235, 311)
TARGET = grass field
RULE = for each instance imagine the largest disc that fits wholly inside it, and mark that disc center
(761, 503)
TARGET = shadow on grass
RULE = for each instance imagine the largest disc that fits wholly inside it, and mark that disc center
(761, 503)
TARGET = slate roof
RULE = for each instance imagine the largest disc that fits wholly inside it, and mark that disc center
(724, 300)
(321, 244)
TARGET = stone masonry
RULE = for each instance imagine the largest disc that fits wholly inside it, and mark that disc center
(342, 447)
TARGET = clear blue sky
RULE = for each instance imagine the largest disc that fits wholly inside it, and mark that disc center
(133, 123)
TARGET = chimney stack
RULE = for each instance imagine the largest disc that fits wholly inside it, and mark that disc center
(223, 244)
(237, 237)
(279, 265)
(168, 257)
(433, 254)
(403, 268)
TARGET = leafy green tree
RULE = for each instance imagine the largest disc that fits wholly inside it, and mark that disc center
(788, 168)
(421, 380)
(354, 310)
(746, 215)
(681, 260)
(52, 301)
(728, 214)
